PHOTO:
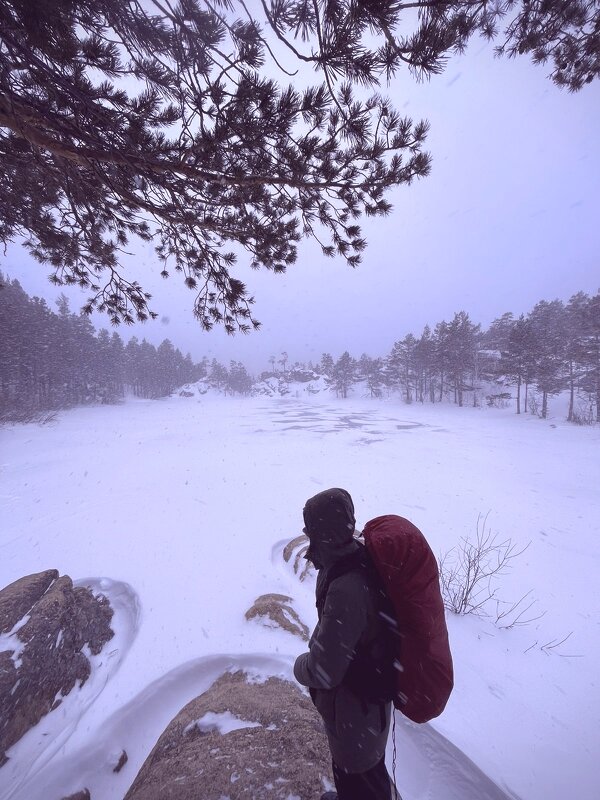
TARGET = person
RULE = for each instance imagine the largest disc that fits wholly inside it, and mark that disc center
(348, 664)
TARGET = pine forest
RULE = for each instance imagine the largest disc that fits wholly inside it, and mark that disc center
(56, 359)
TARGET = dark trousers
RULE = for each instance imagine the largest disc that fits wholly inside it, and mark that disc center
(374, 784)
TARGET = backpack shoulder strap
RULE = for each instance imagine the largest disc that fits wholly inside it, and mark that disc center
(355, 561)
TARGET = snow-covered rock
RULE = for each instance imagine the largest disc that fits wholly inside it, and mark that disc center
(263, 738)
(294, 554)
(275, 611)
(196, 389)
(48, 628)
(288, 386)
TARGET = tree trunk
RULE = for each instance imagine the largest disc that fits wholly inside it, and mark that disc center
(519, 395)
(572, 392)
(544, 405)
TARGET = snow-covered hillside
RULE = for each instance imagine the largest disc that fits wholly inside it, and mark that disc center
(271, 386)
(180, 503)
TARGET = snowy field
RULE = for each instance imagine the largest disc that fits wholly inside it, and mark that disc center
(174, 509)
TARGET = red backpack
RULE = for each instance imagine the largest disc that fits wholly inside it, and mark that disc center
(409, 573)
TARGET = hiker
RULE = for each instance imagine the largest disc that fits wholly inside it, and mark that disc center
(347, 668)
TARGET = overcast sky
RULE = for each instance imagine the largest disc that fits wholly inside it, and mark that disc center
(509, 215)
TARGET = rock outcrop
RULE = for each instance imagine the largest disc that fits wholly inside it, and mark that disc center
(240, 740)
(84, 794)
(122, 760)
(274, 610)
(46, 625)
(294, 552)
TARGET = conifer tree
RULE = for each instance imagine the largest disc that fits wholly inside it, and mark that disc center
(117, 349)
(461, 347)
(440, 335)
(132, 349)
(54, 360)
(549, 346)
(343, 374)
(326, 365)
(164, 121)
(104, 377)
(239, 380)
(13, 310)
(371, 370)
(218, 375)
(166, 375)
(283, 361)
(574, 332)
(517, 360)
(186, 371)
(425, 363)
(201, 369)
(590, 382)
(400, 365)
(146, 369)
(497, 335)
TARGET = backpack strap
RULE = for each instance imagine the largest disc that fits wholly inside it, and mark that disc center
(355, 561)
(370, 676)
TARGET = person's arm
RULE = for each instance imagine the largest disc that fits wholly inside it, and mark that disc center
(334, 646)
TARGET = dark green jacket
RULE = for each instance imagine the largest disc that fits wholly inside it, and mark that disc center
(338, 669)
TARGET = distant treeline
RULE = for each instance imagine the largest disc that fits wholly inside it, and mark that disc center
(54, 360)
(51, 360)
(556, 347)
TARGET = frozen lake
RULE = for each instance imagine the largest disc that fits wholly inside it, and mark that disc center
(181, 501)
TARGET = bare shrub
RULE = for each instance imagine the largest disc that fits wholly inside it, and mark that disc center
(514, 615)
(583, 414)
(469, 576)
(500, 400)
(551, 647)
(47, 417)
(535, 405)
(26, 415)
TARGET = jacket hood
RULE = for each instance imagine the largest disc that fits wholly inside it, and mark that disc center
(329, 524)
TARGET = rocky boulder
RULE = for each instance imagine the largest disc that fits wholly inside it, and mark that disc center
(46, 627)
(274, 610)
(239, 740)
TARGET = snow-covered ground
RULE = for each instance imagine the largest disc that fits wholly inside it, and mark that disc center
(178, 503)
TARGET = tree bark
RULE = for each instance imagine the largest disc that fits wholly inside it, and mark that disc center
(544, 405)
(572, 392)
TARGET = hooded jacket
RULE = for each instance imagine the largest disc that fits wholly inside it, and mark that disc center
(349, 626)
(329, 523)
